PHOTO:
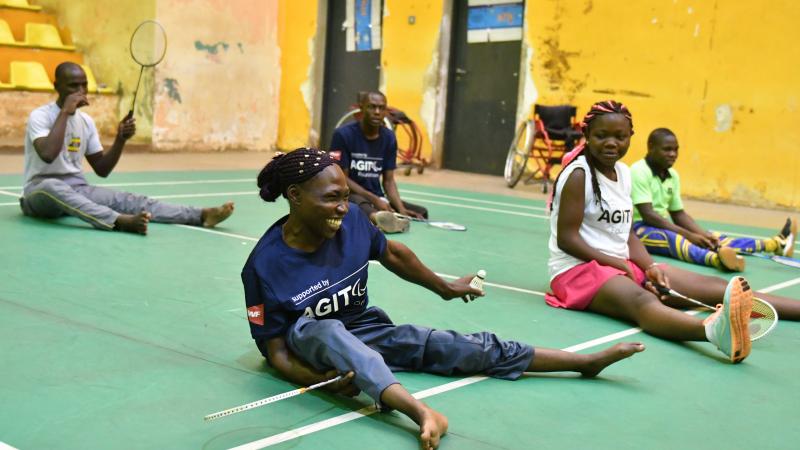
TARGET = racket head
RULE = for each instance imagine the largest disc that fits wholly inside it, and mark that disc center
(786, 261)
(148, 43)
(448, 226)
(763, 319)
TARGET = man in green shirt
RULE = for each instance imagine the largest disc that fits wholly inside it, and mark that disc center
(666, 229)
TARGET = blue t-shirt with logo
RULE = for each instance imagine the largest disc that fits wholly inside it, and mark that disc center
(282, 283)
(366, 159)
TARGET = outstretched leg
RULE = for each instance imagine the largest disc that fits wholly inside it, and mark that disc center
(589, 365)
(710, 290)
(621, 298)
(659, 241)
(132, 204)
(727, 328)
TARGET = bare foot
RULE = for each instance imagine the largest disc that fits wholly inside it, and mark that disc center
(605, 358)
(212, 216)
(432, 426)
(136, 223)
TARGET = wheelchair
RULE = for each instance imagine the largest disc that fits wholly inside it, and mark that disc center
(542, 140)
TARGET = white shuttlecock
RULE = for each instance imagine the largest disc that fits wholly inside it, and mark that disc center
(477, 283)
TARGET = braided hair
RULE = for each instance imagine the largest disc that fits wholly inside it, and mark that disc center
(598, 109)
(286, 169)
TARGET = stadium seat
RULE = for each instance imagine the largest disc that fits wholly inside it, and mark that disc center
(30, 75)
(44, 35)
(92, 82)
(6, 37)
(20, 4)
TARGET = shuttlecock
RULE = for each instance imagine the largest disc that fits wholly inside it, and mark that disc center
(477, 283)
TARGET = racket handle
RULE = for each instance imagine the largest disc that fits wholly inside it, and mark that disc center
(663, 290)
(129, 115)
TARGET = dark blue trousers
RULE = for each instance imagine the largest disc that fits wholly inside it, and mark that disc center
(372, 346)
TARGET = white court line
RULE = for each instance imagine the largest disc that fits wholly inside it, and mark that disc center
(221, 233)
(456, 205)
(4, 446)
(12, 194)
(474, 200)
(164, 183)
(479, 208)
(778, 286)
(254, 193)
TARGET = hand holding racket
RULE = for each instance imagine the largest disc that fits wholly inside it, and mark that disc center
(148, 47)
(275, 398)
(763, 317)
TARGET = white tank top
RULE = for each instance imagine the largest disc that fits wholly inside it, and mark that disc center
(605, 229)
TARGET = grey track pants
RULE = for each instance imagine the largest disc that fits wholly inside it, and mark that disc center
(372, 346)
(99, 206)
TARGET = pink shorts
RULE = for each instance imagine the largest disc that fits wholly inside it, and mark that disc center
(575, 288)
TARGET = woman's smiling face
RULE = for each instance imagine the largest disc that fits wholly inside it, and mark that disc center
(608, 138)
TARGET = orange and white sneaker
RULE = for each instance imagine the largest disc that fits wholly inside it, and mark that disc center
(728, 327)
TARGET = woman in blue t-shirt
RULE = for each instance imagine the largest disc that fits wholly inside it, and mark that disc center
(306, 292)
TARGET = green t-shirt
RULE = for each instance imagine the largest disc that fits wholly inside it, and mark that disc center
(665, 196)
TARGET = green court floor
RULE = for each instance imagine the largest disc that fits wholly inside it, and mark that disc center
(111, 340)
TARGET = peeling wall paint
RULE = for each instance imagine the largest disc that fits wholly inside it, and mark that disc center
(218, 85)
(688, 66)
(171, 85)
(212, 49)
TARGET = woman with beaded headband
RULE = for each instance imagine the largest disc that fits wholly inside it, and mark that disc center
(598, 264)
(306, 292)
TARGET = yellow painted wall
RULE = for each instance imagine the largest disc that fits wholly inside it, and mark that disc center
(689, 66)
(297, 28)
(217, 88)
(410, 61)
(102, 34)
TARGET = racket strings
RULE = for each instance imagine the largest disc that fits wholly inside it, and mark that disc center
(148, 44)
(763, 319)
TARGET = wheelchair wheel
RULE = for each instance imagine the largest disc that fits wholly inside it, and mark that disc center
(518, 153)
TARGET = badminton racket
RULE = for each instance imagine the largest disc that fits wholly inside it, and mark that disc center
(438, 224)
(148, 47)
(763, 317)
(785, 260)
(268, 400)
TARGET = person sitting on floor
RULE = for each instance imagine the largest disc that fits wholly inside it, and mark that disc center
(56, 140)
(367, 152)
(666, 229)
(305, 287)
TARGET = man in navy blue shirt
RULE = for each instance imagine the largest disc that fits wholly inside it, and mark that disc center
(367, 152)
(305, 287)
